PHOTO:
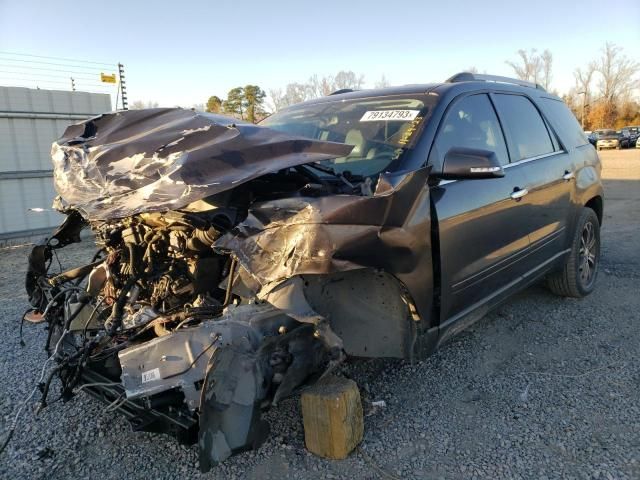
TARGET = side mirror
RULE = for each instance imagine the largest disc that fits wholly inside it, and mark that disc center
(469, 163)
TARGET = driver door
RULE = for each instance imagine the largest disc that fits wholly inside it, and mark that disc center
(482, 223)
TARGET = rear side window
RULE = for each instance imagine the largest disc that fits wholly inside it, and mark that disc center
(471, 123)
(527, 134)
(564, 122)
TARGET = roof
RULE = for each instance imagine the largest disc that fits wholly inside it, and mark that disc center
(461, 82)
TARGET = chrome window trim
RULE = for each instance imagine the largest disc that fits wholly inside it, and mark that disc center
(531, 159)
(509, 165)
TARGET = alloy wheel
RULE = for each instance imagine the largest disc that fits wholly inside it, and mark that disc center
(588, 255)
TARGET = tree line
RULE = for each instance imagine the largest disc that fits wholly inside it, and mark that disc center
(604, 94)
(250, 102)
(605, 90)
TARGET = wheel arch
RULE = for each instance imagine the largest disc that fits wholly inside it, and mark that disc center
(597, 205)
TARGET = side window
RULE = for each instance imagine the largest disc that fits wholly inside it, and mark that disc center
(564, 121)
(470, 123)
(526, 131)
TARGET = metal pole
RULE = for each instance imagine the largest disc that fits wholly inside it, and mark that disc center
(584, 101)
(123, 87)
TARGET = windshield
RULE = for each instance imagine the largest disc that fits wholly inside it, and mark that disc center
(380, 129)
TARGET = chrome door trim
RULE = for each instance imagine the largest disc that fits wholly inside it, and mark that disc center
(531, 159)
(509, 165)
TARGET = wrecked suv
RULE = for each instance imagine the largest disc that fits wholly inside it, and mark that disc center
(236, 263)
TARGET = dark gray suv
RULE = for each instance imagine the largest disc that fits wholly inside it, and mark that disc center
(237, 262)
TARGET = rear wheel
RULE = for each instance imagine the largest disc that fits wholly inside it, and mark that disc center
(577, 277)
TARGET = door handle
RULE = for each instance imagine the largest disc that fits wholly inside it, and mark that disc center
(518, 193)
(568, 175)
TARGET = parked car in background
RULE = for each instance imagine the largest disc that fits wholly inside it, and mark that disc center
(592, 137)
(607, 139)
(628, 137)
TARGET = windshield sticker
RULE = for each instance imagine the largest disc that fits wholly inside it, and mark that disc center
(386, 115)
(408, 133)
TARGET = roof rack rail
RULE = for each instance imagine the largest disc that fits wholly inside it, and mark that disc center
(342, 90)
(471, 77)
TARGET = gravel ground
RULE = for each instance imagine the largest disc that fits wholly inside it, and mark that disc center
(544, 387)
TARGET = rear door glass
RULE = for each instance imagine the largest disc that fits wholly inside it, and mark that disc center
(527, 134)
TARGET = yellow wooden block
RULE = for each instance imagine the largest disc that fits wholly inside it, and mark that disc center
(332, 417)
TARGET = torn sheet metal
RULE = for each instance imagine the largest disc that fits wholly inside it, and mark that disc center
(180, 359)
(389, 231)
(123, 163)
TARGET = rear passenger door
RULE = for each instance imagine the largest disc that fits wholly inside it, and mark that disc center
(548, 172)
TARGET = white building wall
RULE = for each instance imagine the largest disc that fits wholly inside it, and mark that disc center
(30, 120)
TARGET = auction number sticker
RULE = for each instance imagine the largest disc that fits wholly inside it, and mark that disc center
(386, 115)
(151, 375)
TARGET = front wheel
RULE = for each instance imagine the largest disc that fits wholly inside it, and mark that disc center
(577, 277)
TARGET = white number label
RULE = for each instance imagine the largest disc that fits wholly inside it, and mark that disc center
(386, 115)
(151, 375)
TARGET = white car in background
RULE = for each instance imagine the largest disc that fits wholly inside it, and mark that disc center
(607, 139)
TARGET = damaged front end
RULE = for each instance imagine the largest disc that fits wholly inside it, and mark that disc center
(206, 300)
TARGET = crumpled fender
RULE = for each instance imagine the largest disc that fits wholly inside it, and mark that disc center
(389, 231)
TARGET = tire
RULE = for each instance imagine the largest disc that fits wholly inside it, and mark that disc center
(577, 277)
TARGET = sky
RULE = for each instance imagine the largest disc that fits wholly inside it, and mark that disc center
(180, 53)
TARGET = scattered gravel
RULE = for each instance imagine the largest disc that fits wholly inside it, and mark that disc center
(544, 387)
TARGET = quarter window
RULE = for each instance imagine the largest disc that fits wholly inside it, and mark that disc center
(470, 123)
(564, 121)
(527, 134)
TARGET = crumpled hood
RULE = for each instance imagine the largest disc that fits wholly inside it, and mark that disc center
(124, 163)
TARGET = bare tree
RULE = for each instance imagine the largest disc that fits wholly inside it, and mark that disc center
(139, 105)
(276, 99)
(584, 78)
(618, 73)
(583, 88)
(533, 67)
(320, 87)
(315, 87)
(382, 83)
(528, 67)
(293, 93)
(617, 78)
(547, 63)
(348, 79)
